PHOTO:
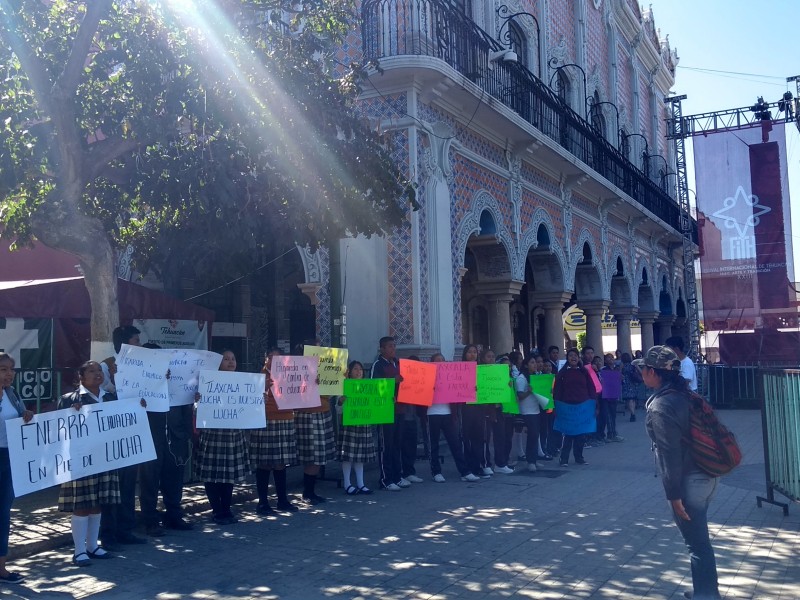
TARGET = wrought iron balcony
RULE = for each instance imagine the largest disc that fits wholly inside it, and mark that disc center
(440, 29)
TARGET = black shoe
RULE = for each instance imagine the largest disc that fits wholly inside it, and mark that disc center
(688, 595)
(581, 462)
(155, 530)
(545, 457)
(633, 418)
(128, 538)
(178, 524)
(96, 553)
(314, 499)
(225, 520)
(287, 507)
(264, 509)
(112, 546)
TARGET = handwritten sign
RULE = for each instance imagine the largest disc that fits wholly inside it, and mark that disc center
(418, 381)
(142, 373)
(368, 402)
(612, 383)
(543, 385)
(511, 406)
(294, 382)
(492, 384)
(63, 445)
(332, 368)
(575, 419)
(230, 400)
(455, 382)
(184, 370)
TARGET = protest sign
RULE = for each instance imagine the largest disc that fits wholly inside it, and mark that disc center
(142, 373)
(174, 333)
(418, 381)
(331, 370)
(455, 382)
(230, 400)
(611, 380)
(493, 384)
(294, 382)
(63, 445)
(511, 406)
(184, 369)
(368, 402)
(543, 385)
(575, 419)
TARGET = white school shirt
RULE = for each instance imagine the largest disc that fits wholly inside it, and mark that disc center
(82, 390)
(7, 411)
(439, 409)
(689, 373)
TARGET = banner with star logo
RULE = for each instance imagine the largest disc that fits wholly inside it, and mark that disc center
(743, 217)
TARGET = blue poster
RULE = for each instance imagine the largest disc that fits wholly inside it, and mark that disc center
(575, 419)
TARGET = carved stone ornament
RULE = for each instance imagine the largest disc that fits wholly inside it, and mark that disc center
(311, 264)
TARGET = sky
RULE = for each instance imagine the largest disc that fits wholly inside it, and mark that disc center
(754, 43)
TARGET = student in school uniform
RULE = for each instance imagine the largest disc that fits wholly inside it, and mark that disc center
(386, 366)
(272, 448)
(356, 444)
(442, 420)
(473, 425)
(222, 460)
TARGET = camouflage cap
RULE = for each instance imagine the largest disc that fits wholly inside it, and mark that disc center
(659, 357)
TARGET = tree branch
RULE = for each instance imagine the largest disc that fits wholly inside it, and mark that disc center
(35, 70)
(104, 152)
(67, 82)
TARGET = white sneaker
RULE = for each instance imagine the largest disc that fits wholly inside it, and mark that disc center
(392, 487)
(470, 477)
(488, 471)
(404, 483)
(504, 470)
(439, 478)
(414, 479)
(532, 467)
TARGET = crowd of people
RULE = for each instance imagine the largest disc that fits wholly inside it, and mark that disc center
(483, 441)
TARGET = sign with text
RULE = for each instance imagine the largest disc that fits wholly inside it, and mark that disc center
(230, 400)
(142, 373)
(63, 445)
(294, 382)
(511, 405)
(368, 402)
(184, 370)
(174, 333)
(543, 385)
(455, 382)
(417, 384)
(331, 370)
(493, 384)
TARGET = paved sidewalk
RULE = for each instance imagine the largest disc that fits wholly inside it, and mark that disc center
(602, 531)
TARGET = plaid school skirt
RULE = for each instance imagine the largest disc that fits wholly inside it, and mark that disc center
(89, 492)
(315, 443)
(222, 456)
(356, 443)
(275, 444)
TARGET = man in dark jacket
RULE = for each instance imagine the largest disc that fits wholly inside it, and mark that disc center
(688, 489)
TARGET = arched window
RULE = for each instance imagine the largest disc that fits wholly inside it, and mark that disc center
(465, 6)
(518, 42)
(488, 226)
(597, 118)
(625, 144)
(563, 87)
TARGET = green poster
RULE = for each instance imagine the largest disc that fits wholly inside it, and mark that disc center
(511, 406)
(368, 401)
(543, 385)
(493, 383)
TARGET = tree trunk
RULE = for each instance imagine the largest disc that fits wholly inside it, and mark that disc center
(61, 226)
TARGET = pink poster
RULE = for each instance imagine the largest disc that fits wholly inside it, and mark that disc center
(456, 382)
(294, 381)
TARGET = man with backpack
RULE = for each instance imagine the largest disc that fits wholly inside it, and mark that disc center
(670, 424)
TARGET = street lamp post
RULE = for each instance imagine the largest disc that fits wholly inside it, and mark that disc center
(590, 102)
(645, 155)
(505, 38)
(556, 69)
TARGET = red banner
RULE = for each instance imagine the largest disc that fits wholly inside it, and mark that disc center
(743, 217)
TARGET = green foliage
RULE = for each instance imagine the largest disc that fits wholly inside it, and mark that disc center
(580, 340)
(213, 135)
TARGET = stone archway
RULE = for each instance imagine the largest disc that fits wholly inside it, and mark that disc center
(648, 309)
(590, 290)
(666, 317)
(623, 306)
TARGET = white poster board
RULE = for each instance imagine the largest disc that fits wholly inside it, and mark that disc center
(173, 333)
(142, 373)
(63, 445)
(294, 381)
(230, 400)
(184, 370)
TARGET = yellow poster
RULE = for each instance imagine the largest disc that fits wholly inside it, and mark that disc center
(332, 368)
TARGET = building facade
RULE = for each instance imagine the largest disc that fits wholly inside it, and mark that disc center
(535, 132)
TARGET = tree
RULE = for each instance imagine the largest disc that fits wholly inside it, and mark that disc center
(206, 134)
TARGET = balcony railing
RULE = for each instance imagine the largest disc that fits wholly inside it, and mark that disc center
(439, 29)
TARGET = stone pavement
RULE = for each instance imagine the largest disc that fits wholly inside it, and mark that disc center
(601, 531)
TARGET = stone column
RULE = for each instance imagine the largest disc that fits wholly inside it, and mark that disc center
(646, 321)
(499, 296)
(624, 317)
(594, 311)
(665, 327)
(553, 305)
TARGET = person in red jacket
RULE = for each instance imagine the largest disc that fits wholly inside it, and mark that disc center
(574, 394)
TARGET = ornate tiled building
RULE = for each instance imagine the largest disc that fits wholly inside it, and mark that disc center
(535, 132)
